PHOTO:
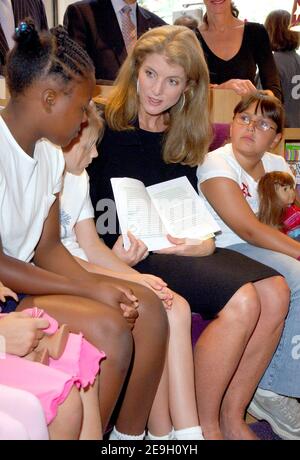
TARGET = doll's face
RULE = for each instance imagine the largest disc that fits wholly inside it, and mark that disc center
(286, 194)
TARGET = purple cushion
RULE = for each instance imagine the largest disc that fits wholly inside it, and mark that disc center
(198, 326)
(221, 134)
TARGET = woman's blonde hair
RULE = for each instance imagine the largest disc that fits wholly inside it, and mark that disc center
(270, 207)
(189, 131)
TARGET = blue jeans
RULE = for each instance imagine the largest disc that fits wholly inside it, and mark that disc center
(283, 373)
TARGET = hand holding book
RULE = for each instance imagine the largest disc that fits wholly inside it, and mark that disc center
(169, 208)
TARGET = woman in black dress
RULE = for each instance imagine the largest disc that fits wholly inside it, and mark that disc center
(158, 129)
(234, 49)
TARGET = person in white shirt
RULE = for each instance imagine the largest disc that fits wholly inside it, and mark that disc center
(176, 395)
(228, 181)
(51, 82)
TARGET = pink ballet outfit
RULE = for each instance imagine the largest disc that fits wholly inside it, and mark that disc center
(291, 221)
(79, 365)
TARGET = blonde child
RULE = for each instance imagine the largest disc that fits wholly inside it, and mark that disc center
(175, 404)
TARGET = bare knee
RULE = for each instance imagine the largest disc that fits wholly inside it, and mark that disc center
(275, 298)
(151, 310)
(180, 313)
(68, 421)
(114, 336)
(244, 307)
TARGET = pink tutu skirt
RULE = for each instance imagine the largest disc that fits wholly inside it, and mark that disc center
(78, 365)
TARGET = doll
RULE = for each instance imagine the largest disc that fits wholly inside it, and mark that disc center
(277, 207)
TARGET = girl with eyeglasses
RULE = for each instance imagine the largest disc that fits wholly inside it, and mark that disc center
(228, 180)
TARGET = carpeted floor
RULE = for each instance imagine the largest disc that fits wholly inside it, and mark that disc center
(264, 431)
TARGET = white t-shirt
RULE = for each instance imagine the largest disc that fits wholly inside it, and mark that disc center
(75, 205)
(222, 163)
(27, 188)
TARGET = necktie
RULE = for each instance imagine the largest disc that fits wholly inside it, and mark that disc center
(7, 21)
(128, 28)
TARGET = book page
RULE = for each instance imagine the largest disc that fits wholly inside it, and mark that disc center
(182, 210)
(137, 214)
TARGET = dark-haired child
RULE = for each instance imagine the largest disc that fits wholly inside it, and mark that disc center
(51, 82)
(228, 179)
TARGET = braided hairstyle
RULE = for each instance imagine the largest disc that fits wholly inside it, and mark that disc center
(41, 54)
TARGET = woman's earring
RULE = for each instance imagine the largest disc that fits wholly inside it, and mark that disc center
(182, 102)
(137, 87)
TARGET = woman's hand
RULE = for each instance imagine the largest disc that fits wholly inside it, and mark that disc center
(138, 250)
(189, 247)
(241, 87)
(21, 332)
(6, 292)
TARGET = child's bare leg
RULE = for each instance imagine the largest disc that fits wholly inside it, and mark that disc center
(105, 328)
(67, 423)
(159, 422)
(91, 425)
(218, 352)
(150, 338)
(274, 297)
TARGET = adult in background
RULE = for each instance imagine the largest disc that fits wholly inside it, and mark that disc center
(234, 49)
(284, 43)
(102, 28)
(11, 13)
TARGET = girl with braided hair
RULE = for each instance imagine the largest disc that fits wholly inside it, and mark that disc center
(51, 82)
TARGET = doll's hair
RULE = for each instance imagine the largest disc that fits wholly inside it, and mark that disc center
(270, 107)
(41, 54)
(270, 208)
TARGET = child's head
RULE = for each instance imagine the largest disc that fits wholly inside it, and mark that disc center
(276, 191)
(54, 76)
(81, 151)
(258, 123)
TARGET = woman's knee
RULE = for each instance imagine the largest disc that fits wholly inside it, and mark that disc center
(277, 293)
(243, 307)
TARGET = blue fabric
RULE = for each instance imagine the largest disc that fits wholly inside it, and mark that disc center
(283, 373)
(10, 304)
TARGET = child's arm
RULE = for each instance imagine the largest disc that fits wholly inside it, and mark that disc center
(138, 250)
(226, 198)
(56, 270)
(96, 250)
(103, 260)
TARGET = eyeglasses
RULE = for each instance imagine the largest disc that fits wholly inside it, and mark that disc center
(246, 120)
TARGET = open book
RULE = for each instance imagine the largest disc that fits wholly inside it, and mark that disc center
(150, 213)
